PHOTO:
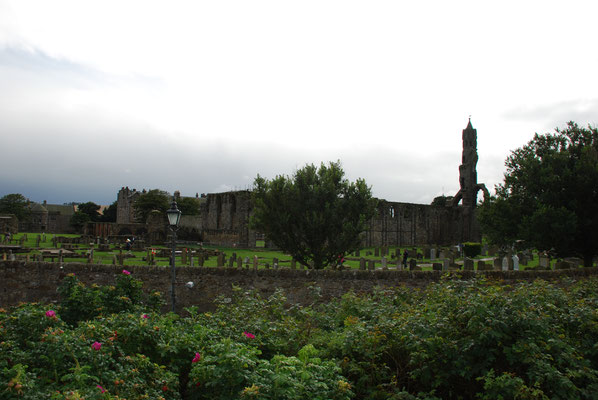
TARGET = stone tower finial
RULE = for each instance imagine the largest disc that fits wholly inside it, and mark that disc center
(468, 176)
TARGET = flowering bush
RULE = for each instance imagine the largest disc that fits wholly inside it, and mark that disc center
(452, 340)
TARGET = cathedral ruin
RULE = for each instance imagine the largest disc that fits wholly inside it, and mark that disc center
(224, 217)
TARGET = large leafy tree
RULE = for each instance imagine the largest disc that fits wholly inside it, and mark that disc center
(154, 199)
(91, 209)
(16, 204)
(316, 215)
(188, 205)
(109, 214)
(79, 219)
(549, 196)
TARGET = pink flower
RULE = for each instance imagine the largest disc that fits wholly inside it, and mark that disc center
(145, 316)
(196, 358)
(96, 345)
(125, 272)
(101, 388)
(51, 314)
(249, 335)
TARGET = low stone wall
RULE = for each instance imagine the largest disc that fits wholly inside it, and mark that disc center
(37, 281)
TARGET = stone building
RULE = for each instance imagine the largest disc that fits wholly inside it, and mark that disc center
(46, 217)
(224, 217)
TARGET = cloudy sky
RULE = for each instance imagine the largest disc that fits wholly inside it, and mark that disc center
(201, 96)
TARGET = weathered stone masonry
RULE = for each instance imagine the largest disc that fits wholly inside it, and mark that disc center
(37, 282)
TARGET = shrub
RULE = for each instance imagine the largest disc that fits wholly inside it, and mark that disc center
(472, 249)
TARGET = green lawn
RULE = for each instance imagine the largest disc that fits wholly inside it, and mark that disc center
(265, 256)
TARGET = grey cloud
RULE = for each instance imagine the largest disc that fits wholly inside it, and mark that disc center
(555, 115)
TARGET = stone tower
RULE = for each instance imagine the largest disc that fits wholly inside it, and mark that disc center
(468, 175)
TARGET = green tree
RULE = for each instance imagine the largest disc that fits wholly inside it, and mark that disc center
(91, 209)
(109, 214)
(79, 220)
(154, 199)
(188, 205)
(16, 204)
(315, 215)
(549, 196)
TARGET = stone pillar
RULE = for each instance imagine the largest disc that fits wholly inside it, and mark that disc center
(376, 252)
(191, 259)
(255, 263)
(384, 263)
(220, 260)
(362, 263)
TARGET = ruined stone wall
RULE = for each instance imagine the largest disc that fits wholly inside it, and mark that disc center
(225, 219)
(125, 213)
(406, 224)
(37, 282)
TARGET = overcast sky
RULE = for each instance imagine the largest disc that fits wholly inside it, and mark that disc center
(201, 96)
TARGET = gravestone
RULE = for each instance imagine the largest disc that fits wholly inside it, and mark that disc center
(399, 264)
(515, 262)
(412, 264)
(446, 263)
(293, 264)
(498, 264)
(437, 266)
(220, 260)
(482, 266)
(371, 265)
(484, 249)
(376, 252)
(544, 262)
(467, 264)
(427, 253)
(383, 263)
(191, 258)
(432, 253)
(231, 262)
(362, 263)
(255, 263)
(357, 253)
(563, 265)
(239, 263)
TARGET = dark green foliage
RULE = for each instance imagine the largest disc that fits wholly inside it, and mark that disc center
(472, 249)
(549, 196)
(16, 204)
(109, 214)
(442, 201)
(188, 205)
(79, 220)
(452, 340)
(91, 209)
(154, 199)
(316, 215)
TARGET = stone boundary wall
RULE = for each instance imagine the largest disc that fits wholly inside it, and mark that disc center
(38, 281)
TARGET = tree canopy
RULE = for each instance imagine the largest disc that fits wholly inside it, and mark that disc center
(154, 199)
(109, 214)
(91, 209)
(549, 196)
(79, 219)
(316, 215)
(16, 204)
(188, 205)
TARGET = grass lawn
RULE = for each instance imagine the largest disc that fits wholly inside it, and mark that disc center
(264, 255)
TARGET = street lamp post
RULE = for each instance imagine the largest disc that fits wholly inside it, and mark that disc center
(174, 216)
